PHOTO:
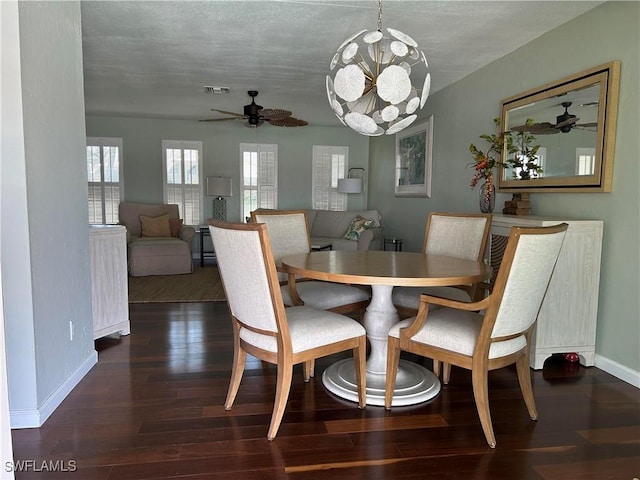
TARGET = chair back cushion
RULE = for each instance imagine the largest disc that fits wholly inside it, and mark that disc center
(243, 265)
(525, 277)
(287, 230)
(455, 235)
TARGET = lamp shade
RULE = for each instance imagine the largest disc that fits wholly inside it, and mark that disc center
(349, 185)
(219, 186)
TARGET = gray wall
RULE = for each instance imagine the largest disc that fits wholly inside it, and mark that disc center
(45, 243)
(142, 155)
(464, 110)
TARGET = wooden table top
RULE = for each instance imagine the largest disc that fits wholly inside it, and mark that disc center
(374, 267)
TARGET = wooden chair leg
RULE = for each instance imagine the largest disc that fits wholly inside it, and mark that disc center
(308, 369)
(524, 378)
(360, 360)
(436, 368)
(481, 396)
(393, 359)
(283, 385)
(446, 372)
(239, 359)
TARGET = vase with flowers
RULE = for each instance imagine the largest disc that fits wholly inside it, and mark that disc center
(485, 161)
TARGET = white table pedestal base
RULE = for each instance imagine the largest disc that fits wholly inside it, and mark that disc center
(414, 383)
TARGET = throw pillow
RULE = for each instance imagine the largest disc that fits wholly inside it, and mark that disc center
(358, 225)
(174, 226)
(155, 226)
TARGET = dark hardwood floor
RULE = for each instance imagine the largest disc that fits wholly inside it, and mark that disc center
(152, 408)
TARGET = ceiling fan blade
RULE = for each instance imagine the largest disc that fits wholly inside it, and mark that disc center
(536, 128)
(219, 119)
(587, 125)
(288, 122)
(227, 113)
(548, 131)
(274, 113)
(567, 122)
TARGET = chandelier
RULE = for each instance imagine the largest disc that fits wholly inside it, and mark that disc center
(372, 91)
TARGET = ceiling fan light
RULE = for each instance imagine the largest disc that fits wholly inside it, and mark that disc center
(334, 60)
(377, 89)
(380, 51)
(399, 49)
(390, 113)
(255, 115)
(365, 104)
(349, 83)
(424, 59)
(401, 124)
(425, 90)
(361, 123)
(349, 52)
(402, 37)
(412, 105)
(372, 37)
(394, 84)
(414, 53)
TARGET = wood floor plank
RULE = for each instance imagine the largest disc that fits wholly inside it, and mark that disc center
(614, 468)
(152, 409)
(385, 424)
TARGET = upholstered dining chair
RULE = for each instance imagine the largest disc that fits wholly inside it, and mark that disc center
(462, 235)
(264, 328)
(491, 333)
(289, 234)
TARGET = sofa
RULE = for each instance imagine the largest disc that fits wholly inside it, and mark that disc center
(157, 242)
(328, 226)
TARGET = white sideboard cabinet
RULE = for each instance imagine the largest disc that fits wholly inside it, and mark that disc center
(109, 281)
(567, 319)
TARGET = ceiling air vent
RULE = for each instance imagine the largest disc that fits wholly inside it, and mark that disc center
(216, 90)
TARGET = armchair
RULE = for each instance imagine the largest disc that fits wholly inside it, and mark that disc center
(157, 242)
(492, 333)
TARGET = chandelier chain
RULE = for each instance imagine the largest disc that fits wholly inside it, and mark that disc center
(379, 15)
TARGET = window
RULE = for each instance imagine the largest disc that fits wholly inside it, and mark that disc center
(539, 160)
(329, 165)
(585, 161)
(259, 176)
(182, 177)
(104, 173)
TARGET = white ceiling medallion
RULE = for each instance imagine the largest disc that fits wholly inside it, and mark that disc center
(373, 89)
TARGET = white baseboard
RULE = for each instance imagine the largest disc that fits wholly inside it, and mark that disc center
(35, 418)
(617, 370)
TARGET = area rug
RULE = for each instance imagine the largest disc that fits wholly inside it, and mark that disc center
(203, 285)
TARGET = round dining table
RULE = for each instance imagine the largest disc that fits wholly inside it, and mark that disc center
(382, 270)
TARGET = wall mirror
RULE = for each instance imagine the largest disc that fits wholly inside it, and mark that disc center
(573, 120)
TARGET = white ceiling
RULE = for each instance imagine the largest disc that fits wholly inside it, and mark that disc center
(152, 59)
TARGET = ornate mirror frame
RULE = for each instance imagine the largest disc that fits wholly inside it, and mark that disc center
(577, 157)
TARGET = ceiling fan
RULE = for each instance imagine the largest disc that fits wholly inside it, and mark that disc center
(564, 124)
(255, 115)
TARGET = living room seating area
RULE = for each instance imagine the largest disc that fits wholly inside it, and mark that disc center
(328, 226)
(157, 241)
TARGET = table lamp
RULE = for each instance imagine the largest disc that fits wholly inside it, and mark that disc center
(219, 187)
(351, 184)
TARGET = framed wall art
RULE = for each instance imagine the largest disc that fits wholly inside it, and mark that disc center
(413, 160)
